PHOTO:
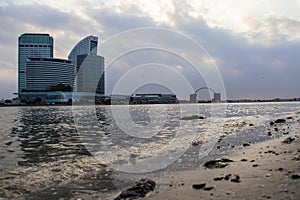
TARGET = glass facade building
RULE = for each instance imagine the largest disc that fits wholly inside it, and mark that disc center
(87, 46)
(42, 74)
(32, 45)
(89, 66)
(90, 77)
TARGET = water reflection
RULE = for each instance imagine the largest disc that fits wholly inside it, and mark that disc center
(47, 134)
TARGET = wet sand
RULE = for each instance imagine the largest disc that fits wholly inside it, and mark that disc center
(267, 170)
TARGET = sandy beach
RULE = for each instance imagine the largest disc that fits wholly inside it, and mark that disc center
(267, 170)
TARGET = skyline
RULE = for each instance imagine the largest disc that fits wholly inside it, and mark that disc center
(254, 44)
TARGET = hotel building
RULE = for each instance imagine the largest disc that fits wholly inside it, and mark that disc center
(32, 45)
(45, 73)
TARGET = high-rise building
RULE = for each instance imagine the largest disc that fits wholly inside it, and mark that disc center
(32, 45)
(89, 66)
(86, 46)
(90, 75)
(45, 74)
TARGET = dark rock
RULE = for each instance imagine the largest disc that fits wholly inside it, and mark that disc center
(255, 165)
(246, 144)
(272, 123)
(290, 118)
(217, 163)
(199, 186)
(295, 176)
(288, 140)
(285, 133)
(269, 134)
(218, 178)
(196, 142)
(237, 179)
(276, 129)
(280, 121)
(208, 188)
(244, 160)
(192, 117)
(140, 189)
(227, 177)
(8, 143)
(252, 160)
(251, 124)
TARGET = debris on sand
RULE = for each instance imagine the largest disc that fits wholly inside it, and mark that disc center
(140, 189)
(217, 163)
(280, 121)
(288, 140)
(192, 117)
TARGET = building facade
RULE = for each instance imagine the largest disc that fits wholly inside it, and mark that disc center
(90, 75)
(32, 45)
(87, 46)
(44, 74)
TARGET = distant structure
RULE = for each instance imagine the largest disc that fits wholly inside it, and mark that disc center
(89, 66)
(44, 74)
(215, 99)
(193, 98)
(153, 99)
(31, 45)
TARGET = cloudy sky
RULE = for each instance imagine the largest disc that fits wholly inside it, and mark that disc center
(255, 45)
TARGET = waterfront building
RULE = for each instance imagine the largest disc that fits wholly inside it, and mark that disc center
(49, 74)
(153, 99)
(36, 45)
(86, 46)
(90, 74)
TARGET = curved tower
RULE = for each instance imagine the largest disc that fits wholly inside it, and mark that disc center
(91, 76)
(87, 46)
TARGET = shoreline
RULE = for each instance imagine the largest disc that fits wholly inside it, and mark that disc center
(267, 170)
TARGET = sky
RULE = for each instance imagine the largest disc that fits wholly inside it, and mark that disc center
(249, 48)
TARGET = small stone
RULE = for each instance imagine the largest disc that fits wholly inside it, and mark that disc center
(295, 176)
(8, 143)
(268, 175)
(218, 178)
(280, 169)
(280, 121)
(244, 160)
(199, 186)
(272, 123)
(288, 140)
(141, 188)
(227, 177)
(246, 144)
(208, 188)
(269, 133)
(237, 179)
(217, 163)
(251, 124)
(255, 165)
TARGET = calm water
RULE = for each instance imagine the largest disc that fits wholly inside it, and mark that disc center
(33, 135)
